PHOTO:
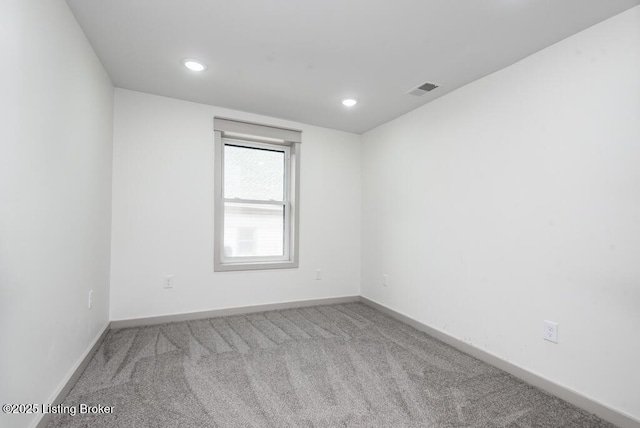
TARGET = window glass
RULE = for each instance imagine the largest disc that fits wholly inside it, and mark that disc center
(253, 230)
(253, 173)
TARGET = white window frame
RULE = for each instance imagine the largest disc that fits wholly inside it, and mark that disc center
(285, 203)
(291, 149)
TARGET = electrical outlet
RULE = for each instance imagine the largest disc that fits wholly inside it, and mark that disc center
(90, 302)
(168, 281)
(318, 274)
(550, 331)
(385, 280)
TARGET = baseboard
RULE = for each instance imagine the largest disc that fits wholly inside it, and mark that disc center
(71, 379)
(162, 319)
(577, 399)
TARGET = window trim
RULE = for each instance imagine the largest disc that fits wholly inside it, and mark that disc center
(291, 206)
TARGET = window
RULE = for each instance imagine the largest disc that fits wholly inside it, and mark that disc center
(256, 196)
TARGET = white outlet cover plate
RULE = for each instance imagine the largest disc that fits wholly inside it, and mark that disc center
(168, 281)
(550, 331)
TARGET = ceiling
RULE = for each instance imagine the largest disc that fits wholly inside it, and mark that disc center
(297, 59)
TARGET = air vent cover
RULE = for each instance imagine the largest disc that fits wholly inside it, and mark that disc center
(423, 89)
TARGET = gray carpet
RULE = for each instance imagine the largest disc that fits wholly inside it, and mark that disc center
(328, 366)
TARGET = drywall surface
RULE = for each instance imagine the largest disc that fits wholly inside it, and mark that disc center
(163, 213)
(514, 200)
(55, 200)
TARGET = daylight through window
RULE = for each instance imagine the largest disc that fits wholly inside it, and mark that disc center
(256, 207)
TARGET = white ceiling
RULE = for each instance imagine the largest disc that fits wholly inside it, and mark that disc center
(297, 59)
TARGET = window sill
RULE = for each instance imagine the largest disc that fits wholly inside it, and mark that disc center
(238, 266)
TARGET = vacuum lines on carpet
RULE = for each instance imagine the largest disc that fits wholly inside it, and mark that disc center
(344, 365)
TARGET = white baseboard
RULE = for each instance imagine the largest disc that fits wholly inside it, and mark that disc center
(72, 377)
(162, 319)
(577, 399)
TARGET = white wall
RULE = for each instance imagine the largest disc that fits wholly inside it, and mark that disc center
(55, 199)
(163, 213)
(516, 199)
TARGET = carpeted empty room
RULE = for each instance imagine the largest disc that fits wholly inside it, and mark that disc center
(330, 213)
(326, 366)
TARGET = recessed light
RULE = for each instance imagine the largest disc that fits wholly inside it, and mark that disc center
(349, 102)
(194, 65)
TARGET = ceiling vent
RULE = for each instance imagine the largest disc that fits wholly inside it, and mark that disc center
(423, 89)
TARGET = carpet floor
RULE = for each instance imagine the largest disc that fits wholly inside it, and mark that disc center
(345, 365)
